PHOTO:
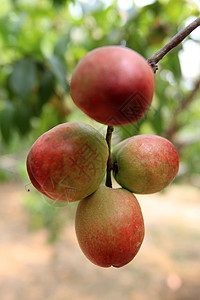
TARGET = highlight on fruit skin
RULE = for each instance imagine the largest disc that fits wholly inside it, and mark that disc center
(109, 227)
(145, 164)
(114, 85)
(68, 162)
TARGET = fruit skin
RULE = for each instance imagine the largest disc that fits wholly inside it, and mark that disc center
(114, 85)
(110, 227)
(68, 162)
(145, 164)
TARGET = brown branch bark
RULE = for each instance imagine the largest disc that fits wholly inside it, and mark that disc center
(171, 131)
(175, 41)
(109, 162)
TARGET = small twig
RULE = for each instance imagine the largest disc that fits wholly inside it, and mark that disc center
(175, 41)
(188, 99)
(109, 162)
(170, 132)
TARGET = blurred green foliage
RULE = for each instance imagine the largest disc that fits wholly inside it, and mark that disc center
(46, 213)
(41, 42)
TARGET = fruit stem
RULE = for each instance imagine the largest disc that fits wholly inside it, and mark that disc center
(109, 162)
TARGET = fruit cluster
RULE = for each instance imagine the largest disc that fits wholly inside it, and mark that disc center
(113, 85)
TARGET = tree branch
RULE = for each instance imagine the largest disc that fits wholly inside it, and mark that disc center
(175, 41)
(170, 132)
(109, 162)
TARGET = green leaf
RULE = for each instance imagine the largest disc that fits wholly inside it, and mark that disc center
(61, 2)
(173, 64)
(61, 45)
(23, 77)
(22, 116)
(59, 70)
(46, 86)
(6, 122)
(157, 122)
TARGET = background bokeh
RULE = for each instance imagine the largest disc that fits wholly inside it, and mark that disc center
(41, 42)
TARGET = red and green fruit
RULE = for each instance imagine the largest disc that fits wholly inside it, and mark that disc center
(68, 162)
(110, 227)
(145, 164)
(114, 85)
